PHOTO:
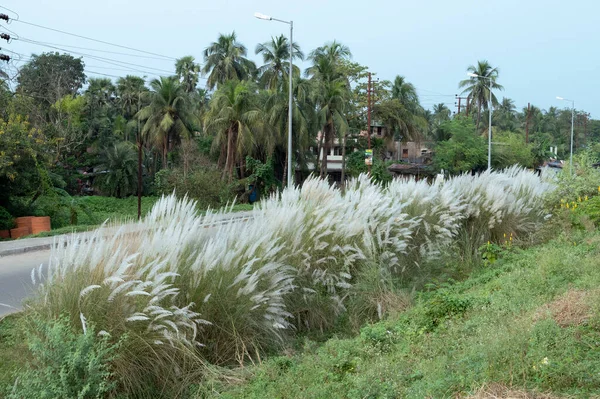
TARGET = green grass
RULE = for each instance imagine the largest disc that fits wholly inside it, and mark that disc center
(13, 350)
(490, 328)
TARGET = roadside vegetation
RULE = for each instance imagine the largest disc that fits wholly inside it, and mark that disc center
(176, 309)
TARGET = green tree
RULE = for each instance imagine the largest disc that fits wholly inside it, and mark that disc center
(68, 132)
(51, 76)
(226, 59)
(276, 56)
(332, 93)
(276, 113)
(130, 92)
(118, 176)
(509, 149)
(98, 109)
(478, 87)
(188, 72)
(505, 116)
(406, 94)
(464, 151)
(168, 117)
(23, 161)
(235, 117)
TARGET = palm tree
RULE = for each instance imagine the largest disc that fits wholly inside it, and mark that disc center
(168, 115)
(399, 120)
(226, 59)
(188, 72)
(235, 118)
(276, 108)
(99, 98)
(276, 56)
(441, 113)
(118, 164)
(132, 91)
(332, 92)
(406, 93)
(478, 88)
(505, 115)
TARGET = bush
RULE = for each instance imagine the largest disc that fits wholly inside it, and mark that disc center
(6, 220)
(65, 364)
(203, 185)
(585, 181)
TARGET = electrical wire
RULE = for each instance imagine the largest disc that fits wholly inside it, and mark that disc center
(98, 58)
(14, 12)
(101, 51)
(94, 40)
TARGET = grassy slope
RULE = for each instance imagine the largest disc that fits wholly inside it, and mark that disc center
(532, 321)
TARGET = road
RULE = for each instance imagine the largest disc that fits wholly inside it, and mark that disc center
(15, 278)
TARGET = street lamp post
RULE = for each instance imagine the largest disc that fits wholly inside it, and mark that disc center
(572, 118)
(258, 15)
(474, 75)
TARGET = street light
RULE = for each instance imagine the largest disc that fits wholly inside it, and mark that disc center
(572, 117)
(474, 75)
(258, 15)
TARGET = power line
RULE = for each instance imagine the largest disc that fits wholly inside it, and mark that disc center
(103, 74)
(98, 58)
(94, 40)
(101, 51)
(14, 12)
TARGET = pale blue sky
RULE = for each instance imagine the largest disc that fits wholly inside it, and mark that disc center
(543, 48)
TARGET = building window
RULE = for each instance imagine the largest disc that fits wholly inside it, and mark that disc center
(337, 150)
(405, 153)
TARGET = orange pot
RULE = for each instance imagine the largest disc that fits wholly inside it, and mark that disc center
(20, 232)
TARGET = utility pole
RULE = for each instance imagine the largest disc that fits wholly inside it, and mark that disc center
(468, 104)
(457, 97)
(527, 124)
(139, 140)
(369, 116)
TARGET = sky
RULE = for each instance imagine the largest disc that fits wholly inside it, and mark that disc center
(542, 48)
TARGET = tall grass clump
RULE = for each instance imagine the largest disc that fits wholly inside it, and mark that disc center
(179, 290)
(499, 205)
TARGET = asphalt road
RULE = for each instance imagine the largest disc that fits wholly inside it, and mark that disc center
(15, 278)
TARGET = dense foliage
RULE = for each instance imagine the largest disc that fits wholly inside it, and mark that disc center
(64, 130)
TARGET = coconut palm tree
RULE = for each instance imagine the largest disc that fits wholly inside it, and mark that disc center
(331, 91)
(478, 87)
(276, 56)
(118, 166)
(99, 98)
(406, 93)
(226, 59)
(168, 115)
(235, 117)
(130, 91)
(188, 72)
(441, 113)
(276, 109)
(505, 115)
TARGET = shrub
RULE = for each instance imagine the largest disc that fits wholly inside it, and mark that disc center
(6, 220)
(203, 185)
(584, 181)
(65, 364)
